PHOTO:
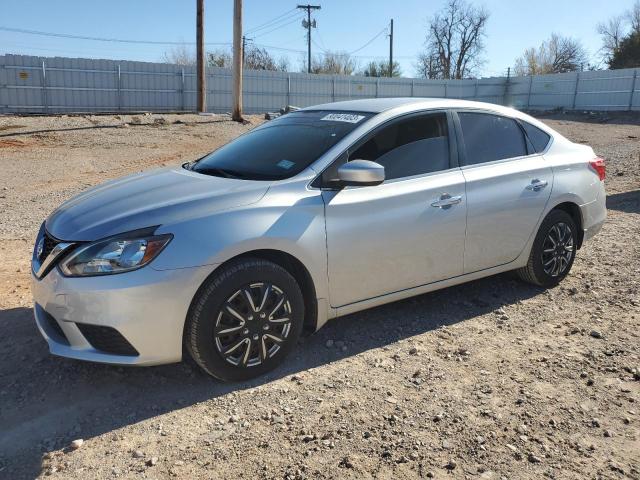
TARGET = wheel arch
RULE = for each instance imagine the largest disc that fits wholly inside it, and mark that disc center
(292, 265)
(574, 212)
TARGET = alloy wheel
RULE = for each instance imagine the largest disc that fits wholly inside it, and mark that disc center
(557, 249)
(253, 324)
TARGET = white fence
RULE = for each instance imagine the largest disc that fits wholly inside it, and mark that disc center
(53, 85)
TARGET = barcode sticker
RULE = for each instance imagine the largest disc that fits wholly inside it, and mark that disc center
(343, 117)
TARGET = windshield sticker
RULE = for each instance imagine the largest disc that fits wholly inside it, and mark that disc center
(286, 164)
(342, 117)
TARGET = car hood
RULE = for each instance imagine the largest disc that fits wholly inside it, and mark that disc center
(158, 197)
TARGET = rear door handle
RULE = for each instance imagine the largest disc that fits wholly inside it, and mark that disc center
(446, 201)
(537, 185)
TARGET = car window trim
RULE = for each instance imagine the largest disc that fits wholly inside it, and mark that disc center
(462, 147)
(316, 183)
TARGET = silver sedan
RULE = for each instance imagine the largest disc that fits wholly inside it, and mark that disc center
(317, 214)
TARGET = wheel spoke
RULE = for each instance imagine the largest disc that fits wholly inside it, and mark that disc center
(548, 262)
(277, 307)
(229, 351)
(249, 297)
(245, 357)
(233, 312)
(230, 330)
(265, 297)
(274, 338)
(279, 320)
(548, 250)
(263, 349)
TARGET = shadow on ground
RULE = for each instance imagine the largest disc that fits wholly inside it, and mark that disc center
(627, 202)
(47, 401)
(95, 127)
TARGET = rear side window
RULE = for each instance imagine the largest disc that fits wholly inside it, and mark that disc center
(537, 137)
(413, 146)
(490, 137)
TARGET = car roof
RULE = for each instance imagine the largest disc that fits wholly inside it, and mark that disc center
(379, 105)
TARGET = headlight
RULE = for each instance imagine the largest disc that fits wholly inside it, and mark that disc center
(114, 255)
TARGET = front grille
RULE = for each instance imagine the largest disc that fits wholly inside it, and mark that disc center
(49, 244)
(107, 339)
(53, 327)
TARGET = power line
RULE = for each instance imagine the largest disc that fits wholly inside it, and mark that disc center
(102, 39)
(272, 21)
(384, 30)
(279, 27)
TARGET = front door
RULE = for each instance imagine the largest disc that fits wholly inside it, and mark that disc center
(406, 232)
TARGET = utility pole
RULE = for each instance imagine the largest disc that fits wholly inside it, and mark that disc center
(308, 26)
(391, 50)
(201, 78)
(238, 54)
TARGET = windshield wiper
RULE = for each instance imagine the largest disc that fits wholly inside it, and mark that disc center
(220, 172)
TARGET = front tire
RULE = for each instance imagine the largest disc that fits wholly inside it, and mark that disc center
(244, 320)
(553, 251)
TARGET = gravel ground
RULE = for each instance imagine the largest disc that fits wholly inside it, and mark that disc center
(494, 379)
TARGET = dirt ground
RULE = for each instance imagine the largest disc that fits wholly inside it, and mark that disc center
(490, 380)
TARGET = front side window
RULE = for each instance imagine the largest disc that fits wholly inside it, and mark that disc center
(282, 148)
(490, 137)
(412, 146)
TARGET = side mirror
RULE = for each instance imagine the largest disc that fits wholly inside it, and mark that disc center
(361, 173)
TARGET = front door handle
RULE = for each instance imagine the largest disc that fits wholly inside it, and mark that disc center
(446, 201)
(537, 185)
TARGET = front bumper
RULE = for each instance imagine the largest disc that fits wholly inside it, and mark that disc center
(146, 307)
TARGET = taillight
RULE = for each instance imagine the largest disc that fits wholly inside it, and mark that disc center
(599, 167)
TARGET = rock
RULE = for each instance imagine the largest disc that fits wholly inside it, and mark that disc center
(413, 351)
(76, 444)
(595, 422)
(138, 454)
(152, 461)
(345, 463)
(451, 465)
(596, 334)
(430, 474)
(590, 382)
(608, 433)
(414, 456)
(391, 400)
(534, 459)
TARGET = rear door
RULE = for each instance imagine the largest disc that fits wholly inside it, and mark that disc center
(507, 184)
(408, 231)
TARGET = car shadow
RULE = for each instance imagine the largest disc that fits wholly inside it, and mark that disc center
(627, 202)
(48, 401)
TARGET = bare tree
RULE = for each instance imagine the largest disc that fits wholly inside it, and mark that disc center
(180, 55)
(219, 58)
(455, 41)
(256, 58)
(612, 32)
(381, 69)
(633, 16)
(428, 66)
(556, 55)
(332, 63)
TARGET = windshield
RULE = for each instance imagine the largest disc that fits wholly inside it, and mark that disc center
(282, 148)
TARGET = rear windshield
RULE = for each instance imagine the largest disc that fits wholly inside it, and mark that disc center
(282, 148)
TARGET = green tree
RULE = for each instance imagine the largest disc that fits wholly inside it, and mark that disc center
(627, 55)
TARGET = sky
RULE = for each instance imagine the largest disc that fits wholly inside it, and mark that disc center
(342, 25)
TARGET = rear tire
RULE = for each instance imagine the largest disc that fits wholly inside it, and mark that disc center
(553, 251)
(244, 320)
